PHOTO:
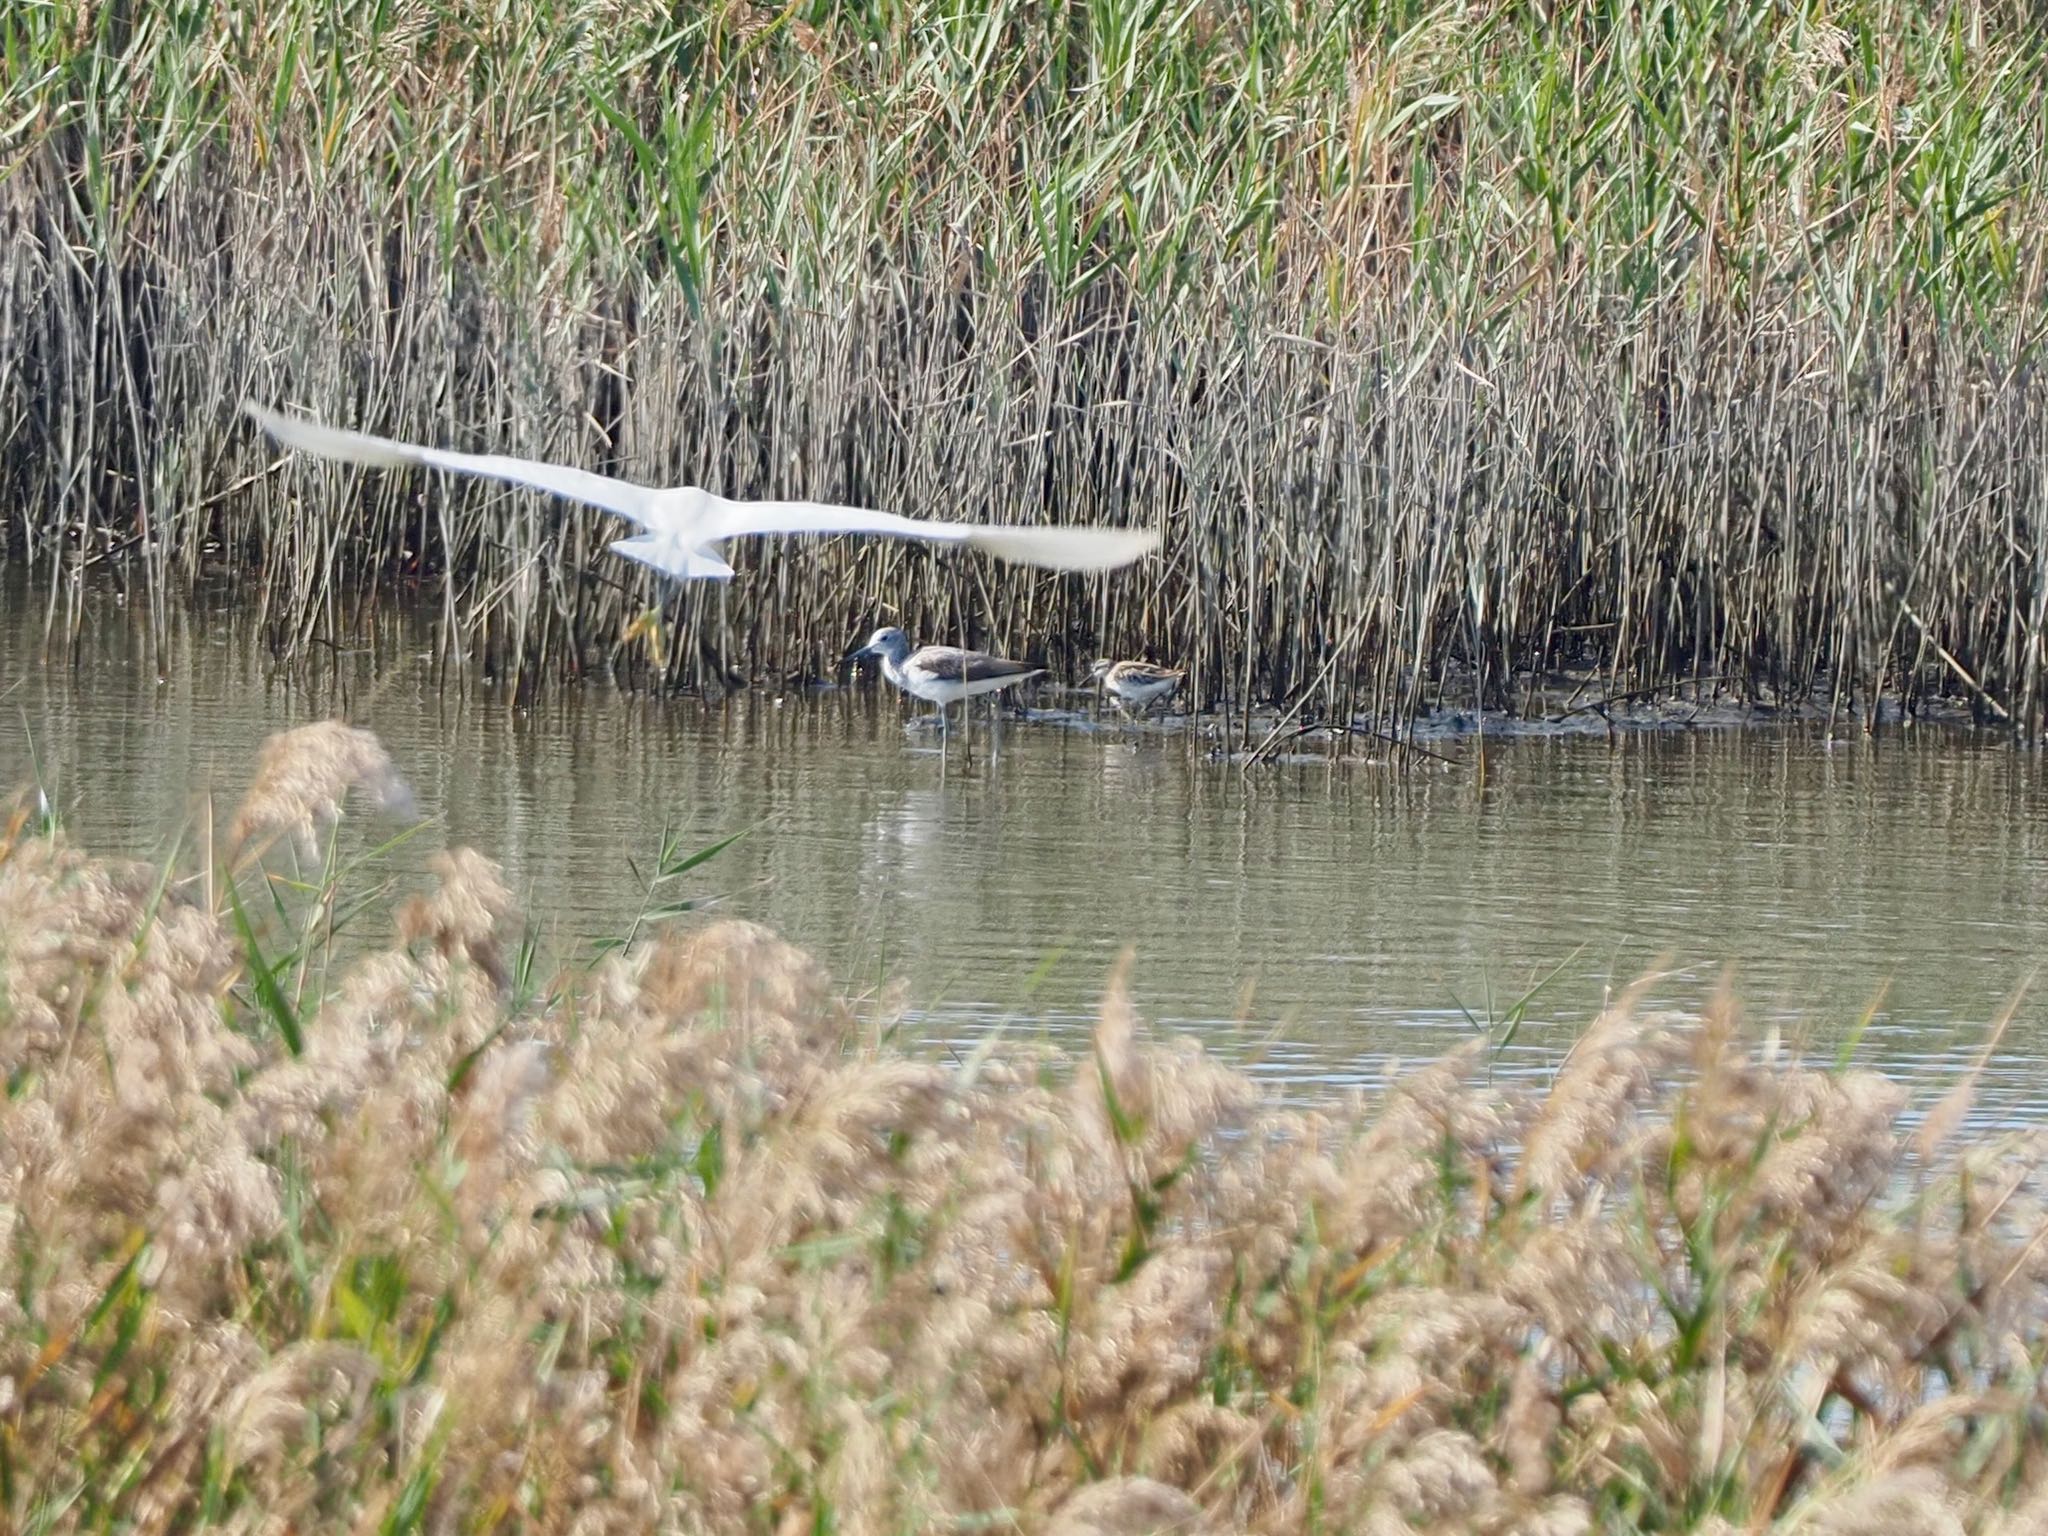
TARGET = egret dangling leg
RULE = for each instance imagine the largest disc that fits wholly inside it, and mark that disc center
(648, 627)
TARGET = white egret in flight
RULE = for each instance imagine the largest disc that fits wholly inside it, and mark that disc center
(680, 524)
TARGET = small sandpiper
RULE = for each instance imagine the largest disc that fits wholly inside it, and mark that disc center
(1134, 682)
(939, 674)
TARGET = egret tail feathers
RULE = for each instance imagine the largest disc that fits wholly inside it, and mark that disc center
(672, 558)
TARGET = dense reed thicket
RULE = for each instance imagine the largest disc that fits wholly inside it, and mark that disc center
(678, 1241)
(1448, 342)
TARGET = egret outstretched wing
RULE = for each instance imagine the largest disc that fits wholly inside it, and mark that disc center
(641, 503)
(1059, 547)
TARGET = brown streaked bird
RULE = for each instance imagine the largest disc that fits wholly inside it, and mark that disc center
(939, 674)
(1137, 683)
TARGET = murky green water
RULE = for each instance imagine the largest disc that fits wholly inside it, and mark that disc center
(1316, 921)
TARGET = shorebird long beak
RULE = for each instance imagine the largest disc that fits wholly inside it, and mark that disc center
(855, 655)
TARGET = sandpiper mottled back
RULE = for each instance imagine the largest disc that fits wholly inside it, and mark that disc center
(1134, 682)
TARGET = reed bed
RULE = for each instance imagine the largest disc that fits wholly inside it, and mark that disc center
(1692, 343)
(418, 1241)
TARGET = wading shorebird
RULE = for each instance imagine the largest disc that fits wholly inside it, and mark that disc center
(679, 524)
(939, 674)
(1134, 683)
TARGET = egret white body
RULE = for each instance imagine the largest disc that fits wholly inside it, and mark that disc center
(679, 524)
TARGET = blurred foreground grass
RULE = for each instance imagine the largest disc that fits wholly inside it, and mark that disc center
(421, 1240)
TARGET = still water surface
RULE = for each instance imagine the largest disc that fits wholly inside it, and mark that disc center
(1315, 922)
